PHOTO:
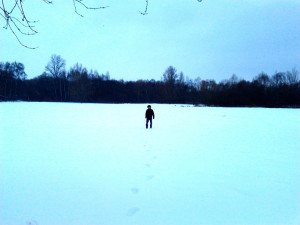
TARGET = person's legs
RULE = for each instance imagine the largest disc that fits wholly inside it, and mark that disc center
(151, 123)
(147, 123)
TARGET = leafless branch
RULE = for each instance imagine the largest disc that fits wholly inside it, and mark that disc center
(85, 6)
(17, 22)
(21, 43)
(146, 8)
(20, 24)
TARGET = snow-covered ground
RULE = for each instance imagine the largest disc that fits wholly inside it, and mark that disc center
(89, 164)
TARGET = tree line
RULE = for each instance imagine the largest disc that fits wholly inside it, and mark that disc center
(78, 84)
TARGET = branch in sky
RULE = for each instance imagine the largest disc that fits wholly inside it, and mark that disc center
(17, 22)
(146, 9)
(85, 6)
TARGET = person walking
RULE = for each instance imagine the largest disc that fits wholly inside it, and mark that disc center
(149, 115)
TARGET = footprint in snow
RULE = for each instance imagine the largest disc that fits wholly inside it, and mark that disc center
(135, 190)
(32, 223)
(150, 177)
(132, 211)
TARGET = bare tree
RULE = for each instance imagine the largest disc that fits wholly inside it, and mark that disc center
(170, 76)
(56, 66)
(56, 69)
(197, 83)
(263, 79)
(279, 79)
(292, 77)
(15, 17)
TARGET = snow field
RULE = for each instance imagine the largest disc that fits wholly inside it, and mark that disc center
(66, 163)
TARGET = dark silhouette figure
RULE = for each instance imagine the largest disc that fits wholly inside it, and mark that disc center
(149, 115)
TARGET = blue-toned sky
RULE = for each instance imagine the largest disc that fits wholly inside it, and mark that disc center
(211, 40)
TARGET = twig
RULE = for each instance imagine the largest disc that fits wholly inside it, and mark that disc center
(146, 9)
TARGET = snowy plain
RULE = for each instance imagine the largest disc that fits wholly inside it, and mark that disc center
(90, 164)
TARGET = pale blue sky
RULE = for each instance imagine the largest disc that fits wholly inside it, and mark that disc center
(212, 39)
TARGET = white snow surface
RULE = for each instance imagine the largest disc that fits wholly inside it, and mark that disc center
(89, 164)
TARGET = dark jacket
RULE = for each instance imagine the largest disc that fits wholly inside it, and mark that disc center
(149, 113)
